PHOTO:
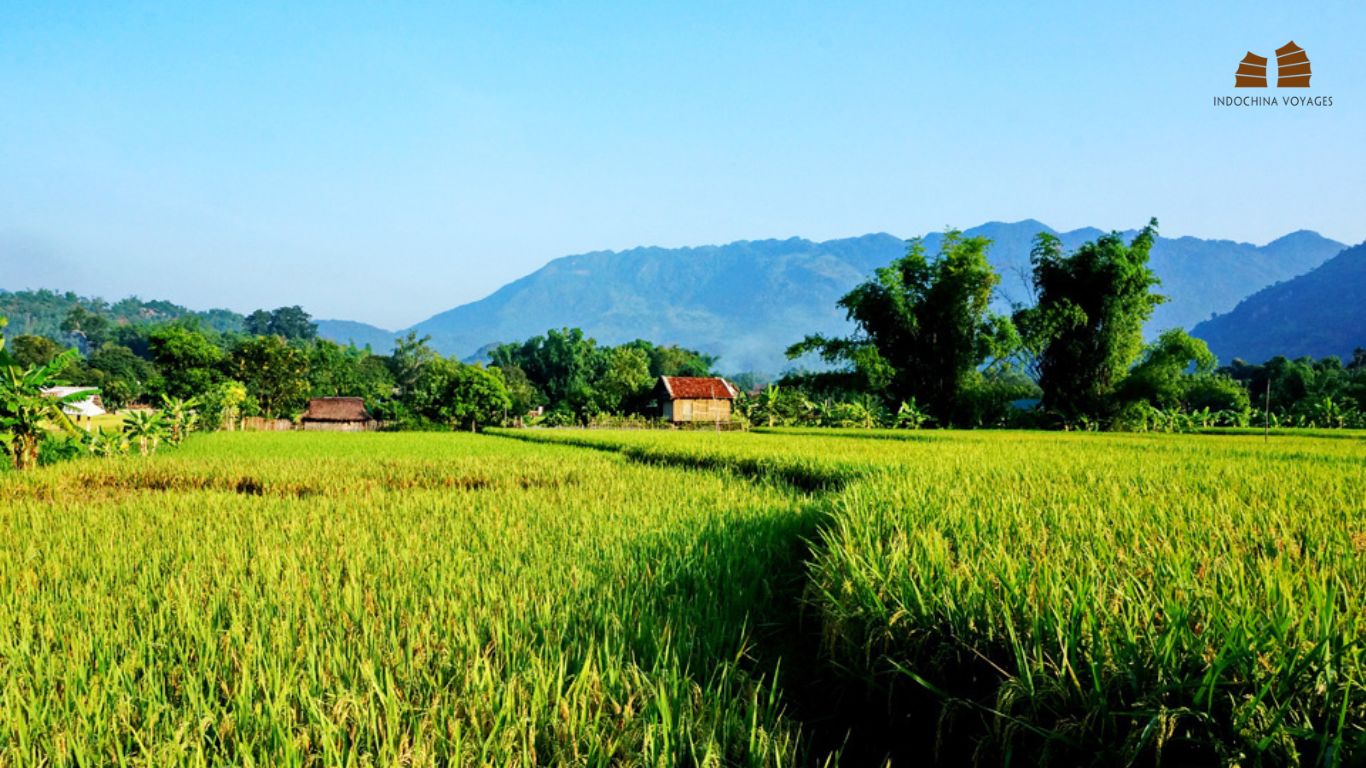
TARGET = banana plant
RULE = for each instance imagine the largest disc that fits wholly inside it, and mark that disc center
(103, 444)
(146, 427)
(26, 412)
(769, 403)
(1328, 413)
(909, 416)
(180, 416)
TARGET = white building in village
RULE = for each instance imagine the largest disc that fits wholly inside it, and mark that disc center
(88, 408)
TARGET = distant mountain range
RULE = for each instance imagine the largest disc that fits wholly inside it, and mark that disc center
(747, 301)
(360, 334)
(1319, 313)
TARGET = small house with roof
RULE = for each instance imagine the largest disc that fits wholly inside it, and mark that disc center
(87, 408)
(337, 414)
(691, 399)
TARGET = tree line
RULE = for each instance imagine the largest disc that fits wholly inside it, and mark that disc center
(277, 362)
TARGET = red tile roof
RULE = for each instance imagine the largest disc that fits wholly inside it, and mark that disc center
(697, 388)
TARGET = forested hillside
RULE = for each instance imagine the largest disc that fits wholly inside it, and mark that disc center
(1317, 314)
(747, 301)
(43, 312)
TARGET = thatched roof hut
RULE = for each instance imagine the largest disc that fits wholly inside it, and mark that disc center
(338, 414)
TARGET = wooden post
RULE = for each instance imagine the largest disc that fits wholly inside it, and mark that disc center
(1266, 414)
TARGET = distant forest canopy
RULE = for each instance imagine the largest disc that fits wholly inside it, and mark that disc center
(43, 312)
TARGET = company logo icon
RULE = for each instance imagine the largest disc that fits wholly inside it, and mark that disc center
(1292, 66)
(1251, 72)
(1292, 69)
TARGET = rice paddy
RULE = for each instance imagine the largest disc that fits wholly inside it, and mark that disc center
(551, 597)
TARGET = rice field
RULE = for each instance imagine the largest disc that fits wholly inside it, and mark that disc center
(309, 599)
(564, 597)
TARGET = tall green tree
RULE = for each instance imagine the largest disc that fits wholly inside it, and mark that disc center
(1165, 369)
(452, 394)
(1087, 327)
(346, 371)
(576, 376)
(564, 365)
(410, 358)
(923, 326)
(274, 373)
(673, 360)
(34, 350)
(186, 358)
(521, 391)
(291, 323)
(1295, 386)
(123, 377)
(257, 323)
(473, 396)
(626, 381)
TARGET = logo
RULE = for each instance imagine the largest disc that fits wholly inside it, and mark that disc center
(1251, 72)
(1292, 69)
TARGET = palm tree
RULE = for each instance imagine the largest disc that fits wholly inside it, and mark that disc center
(25, 412)
(147, 427)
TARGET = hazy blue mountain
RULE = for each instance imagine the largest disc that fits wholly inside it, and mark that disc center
(360, 334)
(1199, 277)
(1319, 313)
(747, 301)
(1206, 277)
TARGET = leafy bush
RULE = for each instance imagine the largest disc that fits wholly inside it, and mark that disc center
(54, 449)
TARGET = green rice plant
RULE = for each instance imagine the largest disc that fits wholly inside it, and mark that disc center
(1087, 598)
(315, 599)
(596, 597)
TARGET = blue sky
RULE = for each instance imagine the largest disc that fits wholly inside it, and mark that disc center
(383, 162)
